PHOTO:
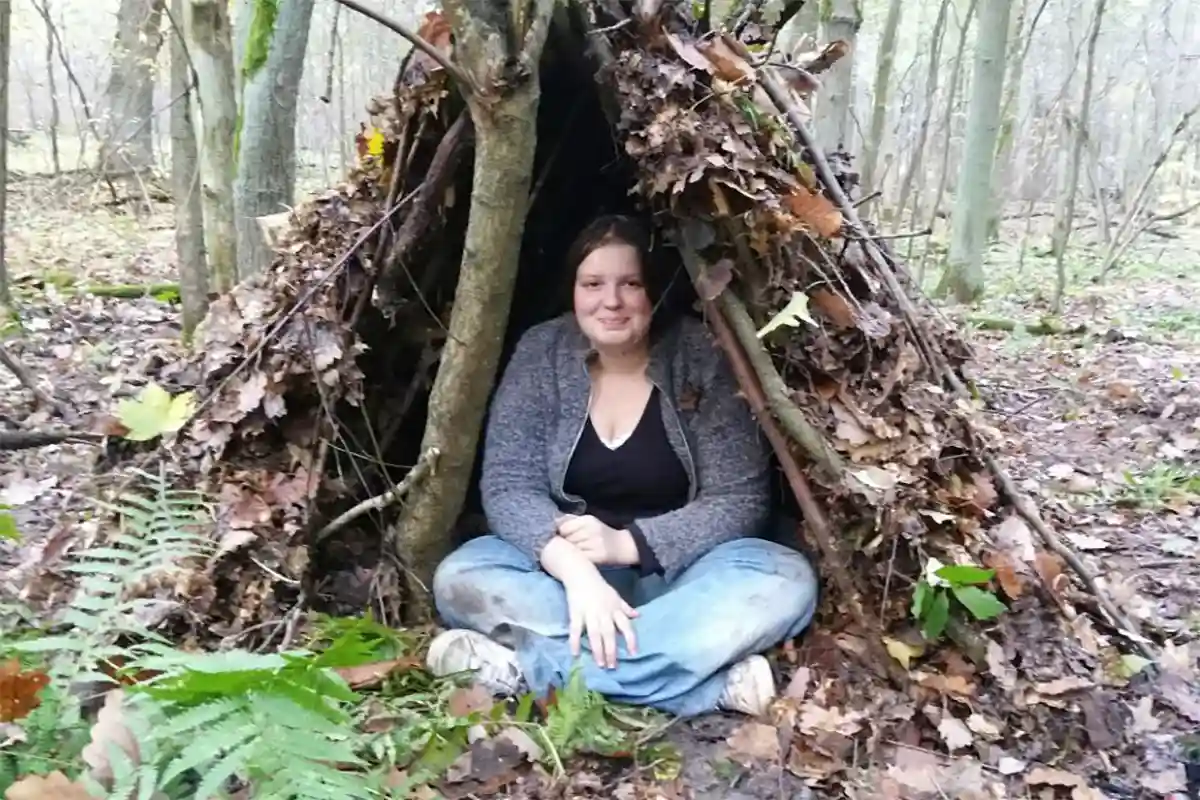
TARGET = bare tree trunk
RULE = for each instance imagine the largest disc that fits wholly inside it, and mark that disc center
(504, 112)
(963, 276)
(879, 95)
(52, 86)
(1064, 212)
(266, 171)
(946, 123)
(840, 19)
(128, 139)
(5, 51)
(185, 185)
(931, 84)
(208, 38)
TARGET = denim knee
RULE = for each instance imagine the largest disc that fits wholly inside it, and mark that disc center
(779, 572)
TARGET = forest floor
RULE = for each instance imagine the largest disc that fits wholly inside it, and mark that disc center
(1102, 426)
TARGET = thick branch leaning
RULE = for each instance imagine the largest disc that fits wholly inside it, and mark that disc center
(460, 77)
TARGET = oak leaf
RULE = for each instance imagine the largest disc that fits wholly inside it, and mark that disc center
(19, 690)
(815, 211)
(726, 63)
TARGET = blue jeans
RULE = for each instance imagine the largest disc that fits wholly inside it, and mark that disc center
(740, 598)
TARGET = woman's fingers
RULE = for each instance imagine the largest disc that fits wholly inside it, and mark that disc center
(595, 629)
(626, 627)
(574, 628)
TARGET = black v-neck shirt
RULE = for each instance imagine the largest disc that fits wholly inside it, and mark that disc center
(643, 477)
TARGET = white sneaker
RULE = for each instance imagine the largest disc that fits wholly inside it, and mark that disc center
(495, 665)
(749, 687)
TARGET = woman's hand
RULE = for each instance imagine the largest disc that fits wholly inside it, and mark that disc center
(600, 543)
(595, 606)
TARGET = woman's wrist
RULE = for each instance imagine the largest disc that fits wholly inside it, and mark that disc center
(565, 561)
(625, 549)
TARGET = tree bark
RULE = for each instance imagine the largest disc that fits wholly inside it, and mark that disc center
(127, 144)
(1064, 215)
(504, 115)
(5, 52)
(931, 84)
(208, 36)
(185, 185)
(840, 19)
(879, 95)
(266, 166)
(963, 276)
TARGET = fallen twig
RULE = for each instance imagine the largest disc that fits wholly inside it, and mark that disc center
(937, 361)
(423, 467)
(40, 397)
(27, 440)
(1044, 327)
(418, 42)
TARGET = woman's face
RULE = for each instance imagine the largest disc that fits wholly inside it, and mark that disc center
(611, 303)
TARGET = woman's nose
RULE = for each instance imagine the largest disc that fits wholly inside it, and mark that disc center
(612, 297)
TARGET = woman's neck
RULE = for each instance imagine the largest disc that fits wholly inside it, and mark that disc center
(623, 361)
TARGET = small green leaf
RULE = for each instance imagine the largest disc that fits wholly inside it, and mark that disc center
(922, 595)
(155, 412)
(981, 604)
(8, 526)
(937, 616)
(965, 574)
(791, 314)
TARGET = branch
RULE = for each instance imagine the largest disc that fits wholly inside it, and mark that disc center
(27, 440)
(40, 397)
(779, 397)
(460, 77)
(424, 466)
(1020, 502)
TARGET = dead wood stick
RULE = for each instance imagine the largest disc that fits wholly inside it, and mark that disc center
(16, 368)
(1045, 327)
(426, 47)
(936, 359)
(27, 440)
(424, 466)
(814, 517)
(778, 395)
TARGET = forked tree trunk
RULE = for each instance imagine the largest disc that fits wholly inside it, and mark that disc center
(185, 186)
(266, 171)
(504, 114)
(208, 35)
(128, 139)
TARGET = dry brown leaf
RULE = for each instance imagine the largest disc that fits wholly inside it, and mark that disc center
(1000, 667)
(1059, 686)
(1014, 536)
(754, 741)
(1045, 776)
(1144, 720)
(954, 733)
(20, 690)
(54, 786)
(834, 307)
(466, 700)
(108, 732)
(1050, 569)
(688, 52)
(714, 278)
(726, 63)
(797, 688)
(1006, 574)
(815, 211)
(367, 676)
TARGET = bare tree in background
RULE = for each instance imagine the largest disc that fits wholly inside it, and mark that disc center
(963, 276)
(185, 182)
(879, 96)
(127, 145)
(266, 168)
(840, 19)
(206, 23)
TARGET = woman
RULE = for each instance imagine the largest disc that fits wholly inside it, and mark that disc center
(623, 479)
